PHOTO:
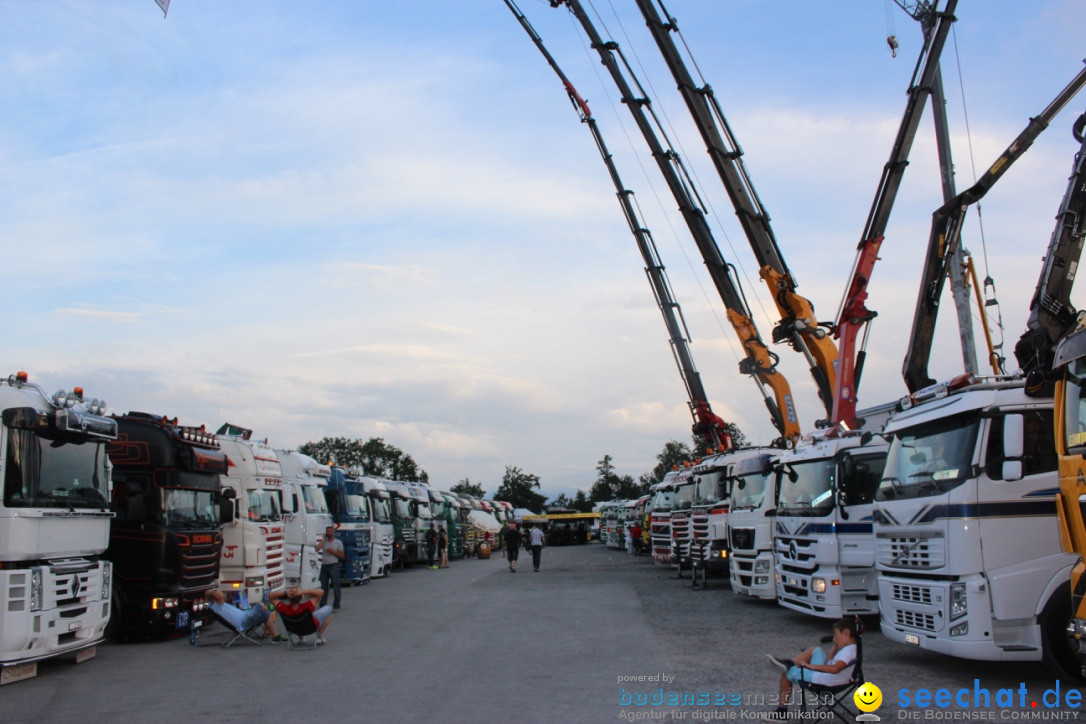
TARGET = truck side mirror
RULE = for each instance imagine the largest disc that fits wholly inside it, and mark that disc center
(1014, 436)
(228, 506)
(1014, 446)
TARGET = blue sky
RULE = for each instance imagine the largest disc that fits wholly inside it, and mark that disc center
(384, 219)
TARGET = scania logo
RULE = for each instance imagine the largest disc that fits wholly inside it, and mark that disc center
(792, 550)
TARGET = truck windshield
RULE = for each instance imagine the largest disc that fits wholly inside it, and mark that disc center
(929, 459)
(382, 512)
(358, 509)
(182, 508)
(806, 488)
(44, 473)
(1074, 407)
(684, 498)
(264, 505)
(401, 508)
(424, 510)
(710, 487)
(749, 490)
(313, 499)
(662, 501)
(439, 510)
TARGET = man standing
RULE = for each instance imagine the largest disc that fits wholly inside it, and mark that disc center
(431, 546)
(512, 545)
(331, 550)
(535, 535)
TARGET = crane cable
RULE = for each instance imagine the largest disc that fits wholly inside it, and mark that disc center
(990, 298)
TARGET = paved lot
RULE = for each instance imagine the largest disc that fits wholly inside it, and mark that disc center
(475, 643)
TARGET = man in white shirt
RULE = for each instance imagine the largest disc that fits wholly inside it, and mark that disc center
(535, 536)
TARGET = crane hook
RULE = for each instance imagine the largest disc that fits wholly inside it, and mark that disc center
(891, 40)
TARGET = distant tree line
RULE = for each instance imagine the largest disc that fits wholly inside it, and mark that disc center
(378, 458)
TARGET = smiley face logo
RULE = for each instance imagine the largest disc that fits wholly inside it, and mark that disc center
(868, 697)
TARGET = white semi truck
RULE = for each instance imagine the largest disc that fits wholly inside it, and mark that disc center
(750, 523)
(54, 525)
(254, 544)
(969, 555)
(823, 540)
(305, 516)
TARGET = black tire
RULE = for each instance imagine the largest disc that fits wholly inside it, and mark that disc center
(115, 628)
(1059, 655)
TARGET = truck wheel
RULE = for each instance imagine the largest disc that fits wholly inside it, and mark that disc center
(1059, 655)
(115, 628)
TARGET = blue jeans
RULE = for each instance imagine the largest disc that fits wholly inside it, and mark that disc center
(330, 578)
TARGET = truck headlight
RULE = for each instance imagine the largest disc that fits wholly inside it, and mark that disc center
(959, 601)
(762, 566)
(35, 589)
(818, 585)
(158, 604)
(107, 580)
(254, 581)
(960, 630)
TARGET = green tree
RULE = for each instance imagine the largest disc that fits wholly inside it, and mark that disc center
(562, 501)
(374, 456)
(467, 487)
(518, 488)
(673, 455)
(610, 485)
(581, 503)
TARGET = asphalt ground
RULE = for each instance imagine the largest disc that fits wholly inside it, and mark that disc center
(595, 636)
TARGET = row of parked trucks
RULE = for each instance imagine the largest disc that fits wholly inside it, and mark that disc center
(117, 525)
(943, 513)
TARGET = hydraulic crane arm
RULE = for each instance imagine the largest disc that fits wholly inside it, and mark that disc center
(945, 238)
(1051, 314)
(854, 314)
(705, 422)
(798, 325)
(760, 363)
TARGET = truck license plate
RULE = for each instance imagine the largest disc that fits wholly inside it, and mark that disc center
(182, 619)
(11, 674)
(912, 639)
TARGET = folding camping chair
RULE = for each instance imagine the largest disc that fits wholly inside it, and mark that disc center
(254, 634)
(300, 626)
(833, 698)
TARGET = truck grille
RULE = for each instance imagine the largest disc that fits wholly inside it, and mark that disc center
(199, 561)
(916, 552)
(914, 619)
(276, 545)
(911, 594)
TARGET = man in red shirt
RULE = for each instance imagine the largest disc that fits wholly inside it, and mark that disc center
(299, 603)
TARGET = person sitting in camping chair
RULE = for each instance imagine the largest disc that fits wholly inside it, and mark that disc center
(243, 623)
(297, 608)
(819, 670)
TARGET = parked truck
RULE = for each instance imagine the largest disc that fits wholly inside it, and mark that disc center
(54, 525)
(382, 534)
(969, 554)
(752, 568)
(165, 540)
(350, 508)
(254, 543)
(305, 518)
(823, 540)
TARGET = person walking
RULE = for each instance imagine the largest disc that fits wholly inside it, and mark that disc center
(535, 535)
(332, 552)
(431, 547)
(443, 549)
(512, 545)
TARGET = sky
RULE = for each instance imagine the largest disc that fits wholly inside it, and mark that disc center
(385, 219)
